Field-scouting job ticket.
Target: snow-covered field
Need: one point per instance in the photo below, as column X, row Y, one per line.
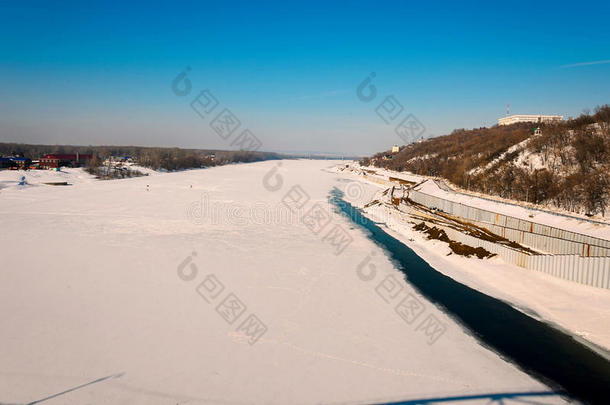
column 134, row 278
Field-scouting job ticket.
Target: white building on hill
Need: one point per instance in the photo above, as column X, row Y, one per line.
column 513, row 119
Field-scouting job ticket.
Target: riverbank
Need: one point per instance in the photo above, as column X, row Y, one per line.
column 538, row 348
column 582, row 310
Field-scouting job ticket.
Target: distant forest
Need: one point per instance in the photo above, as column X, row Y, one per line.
column 567, row 165
column 155, row 158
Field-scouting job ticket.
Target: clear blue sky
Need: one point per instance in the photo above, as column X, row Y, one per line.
column 101, row 72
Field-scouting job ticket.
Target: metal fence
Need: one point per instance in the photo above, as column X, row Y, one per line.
column 507, row 253
column 543, row 237
column 444, row 186
column 592, row 271
column 575, row 257
column 545, row 243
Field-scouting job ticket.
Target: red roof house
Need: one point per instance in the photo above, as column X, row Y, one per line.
column 51, row 161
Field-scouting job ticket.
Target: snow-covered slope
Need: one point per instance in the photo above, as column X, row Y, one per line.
column 12, row 178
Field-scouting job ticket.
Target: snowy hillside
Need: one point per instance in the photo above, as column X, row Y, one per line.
column 563, row 165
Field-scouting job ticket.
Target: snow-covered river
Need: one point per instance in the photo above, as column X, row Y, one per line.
column 197, row 287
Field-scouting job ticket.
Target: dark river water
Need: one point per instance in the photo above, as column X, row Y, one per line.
column 537, row 348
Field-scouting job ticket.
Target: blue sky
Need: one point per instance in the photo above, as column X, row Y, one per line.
column 101, row 72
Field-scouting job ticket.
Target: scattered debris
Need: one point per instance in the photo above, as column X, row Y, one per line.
column 371, row 203
column 456, row 247
column 440, row 218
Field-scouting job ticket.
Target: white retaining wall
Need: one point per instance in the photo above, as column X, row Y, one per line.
column 531, row 234
column 593, row 271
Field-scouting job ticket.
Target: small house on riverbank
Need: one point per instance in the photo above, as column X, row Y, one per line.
column 53, row 161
